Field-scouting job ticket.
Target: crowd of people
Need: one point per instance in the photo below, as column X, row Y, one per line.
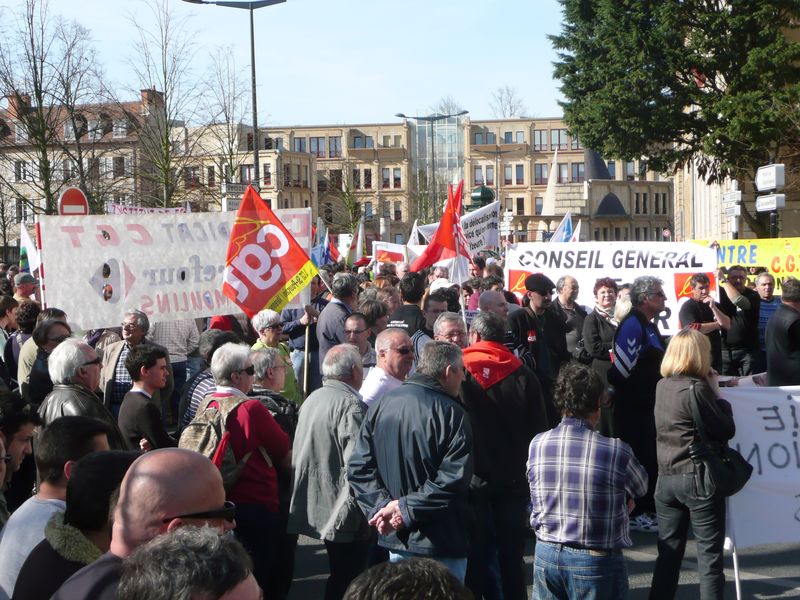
column 420, row 428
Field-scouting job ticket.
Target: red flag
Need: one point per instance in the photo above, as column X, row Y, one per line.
column 443, row 244
column 334, row 251
column 265, row 266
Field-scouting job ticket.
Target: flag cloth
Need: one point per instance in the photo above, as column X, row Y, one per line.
column 413, row 237
column 31, row 253
column 265, row 266
column 576, row 235
column 356, row 251
column 563, row 232
column 333, row 251
column 449, row 240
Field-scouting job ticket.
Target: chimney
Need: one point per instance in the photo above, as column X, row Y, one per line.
column 151, row 97
column 18, row 104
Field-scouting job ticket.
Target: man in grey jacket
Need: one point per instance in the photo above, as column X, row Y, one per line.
column 322, row 505
column 330, row 324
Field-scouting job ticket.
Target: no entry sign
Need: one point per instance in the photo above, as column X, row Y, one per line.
column 73, row 202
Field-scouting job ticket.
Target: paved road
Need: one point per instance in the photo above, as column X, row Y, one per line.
column 766, row 572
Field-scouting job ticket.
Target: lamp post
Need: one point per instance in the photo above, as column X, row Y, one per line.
column 432, row 119
column 252, row 7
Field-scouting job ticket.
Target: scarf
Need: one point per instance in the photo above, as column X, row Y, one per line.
column 490, row 362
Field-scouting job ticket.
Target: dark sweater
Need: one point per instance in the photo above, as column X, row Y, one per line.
column 140, row 417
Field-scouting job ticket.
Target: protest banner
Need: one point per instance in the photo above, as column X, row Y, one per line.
column 780, row 256
column 167, row 265
column 767, row 510
column 673, row 263
column 388, row 252
column 481, row 228
column 122, row 209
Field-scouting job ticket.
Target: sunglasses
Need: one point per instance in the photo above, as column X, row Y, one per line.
column 251, row 370
column 404, row 350
column 96, row 361
column 227, row 513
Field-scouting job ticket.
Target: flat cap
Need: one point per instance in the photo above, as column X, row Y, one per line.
column 539, row 283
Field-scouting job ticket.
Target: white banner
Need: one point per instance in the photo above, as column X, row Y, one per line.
column 672, row 262
column 767, row 510
column 480, row 228
column 168, row 265
column 123, row 209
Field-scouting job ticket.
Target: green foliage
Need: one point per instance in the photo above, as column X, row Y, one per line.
column 670, row 81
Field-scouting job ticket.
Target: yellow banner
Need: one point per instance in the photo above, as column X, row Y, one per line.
column 780, row 256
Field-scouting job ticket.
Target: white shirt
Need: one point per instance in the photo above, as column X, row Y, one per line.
column 376, row 384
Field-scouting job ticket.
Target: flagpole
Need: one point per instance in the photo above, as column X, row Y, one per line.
column 305, row 357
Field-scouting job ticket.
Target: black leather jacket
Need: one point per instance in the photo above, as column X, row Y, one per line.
column 76, row 400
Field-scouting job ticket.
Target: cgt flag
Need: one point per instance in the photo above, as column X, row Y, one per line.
column 265, row 266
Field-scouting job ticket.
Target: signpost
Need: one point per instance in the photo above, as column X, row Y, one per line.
column 770, row 202
column 771, row 178
column 73, row 203
column 733, row 197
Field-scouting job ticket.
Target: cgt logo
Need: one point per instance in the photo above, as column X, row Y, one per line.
column 683, row 284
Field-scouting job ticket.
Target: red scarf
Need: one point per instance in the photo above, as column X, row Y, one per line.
column 490, row 362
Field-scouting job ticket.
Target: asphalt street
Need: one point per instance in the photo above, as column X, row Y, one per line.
column 766, row 572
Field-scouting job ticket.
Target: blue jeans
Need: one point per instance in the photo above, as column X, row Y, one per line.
column 457, row 566
column 677, row 506
column 567, row 573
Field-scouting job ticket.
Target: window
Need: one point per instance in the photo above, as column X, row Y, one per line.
column 478, row 176
column 95, row 131
column 575, row 144
column 520, row 137
column 508, row 137
column 396, row 178
column 191, row 177
column 577, row 172
column 637, row 206
column 540, row 174
column 398, row 211
column 644, row 203
column 286, row 203
column 489, row 175
column 558, row 139
column 118, row 166
column 69, row 130
column 643, row 171
column 120, row 129
column 335, row 146
column 368, row 143
column 249, row 142
column 368, row 214
column 629, row 171
column 540, row 139
column 328, row 212
column 520, row 206
column 23, row 210
column 507, row 175
column 357, row 179
column 479, row 138
column 299, row 144
column 279, row 143
column 563, row 173
column 267, row 174
column 398, row 141
column 538, row 205
column 491, row 138
column 358, row 141
column 520, row 174
column 211, row 175
column 387, row 141
column 336, row 179
column 385, row 178
column 367, row 179
column 664, row 203
column 612, row 169
column 317, row 146
column 21, row 170
column 20, row 133
column 246, row 173
column 304, row 178
column 656, row 204
column 510, row 205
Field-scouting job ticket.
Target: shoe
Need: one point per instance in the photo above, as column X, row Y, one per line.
column 645, row 522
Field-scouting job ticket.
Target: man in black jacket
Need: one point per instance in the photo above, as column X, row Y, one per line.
column 740, row 350
column 783, row 338
column 412, row 463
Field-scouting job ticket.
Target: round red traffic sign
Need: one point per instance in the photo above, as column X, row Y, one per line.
column 73, row 202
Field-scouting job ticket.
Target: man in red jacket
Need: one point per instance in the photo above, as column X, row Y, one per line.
column 506, row 408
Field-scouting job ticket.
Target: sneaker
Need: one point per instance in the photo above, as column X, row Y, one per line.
column 645, row 522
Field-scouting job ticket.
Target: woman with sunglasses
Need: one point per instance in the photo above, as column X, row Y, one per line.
column 634, row 373
column 47, row 336
column 269, row 326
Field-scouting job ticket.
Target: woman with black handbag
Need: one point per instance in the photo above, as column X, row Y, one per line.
column 688, row 379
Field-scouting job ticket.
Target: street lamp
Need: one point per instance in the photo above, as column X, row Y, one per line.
column 432, row 119
column 251, row 6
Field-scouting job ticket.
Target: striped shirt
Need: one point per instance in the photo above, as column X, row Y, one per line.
column 580, row 482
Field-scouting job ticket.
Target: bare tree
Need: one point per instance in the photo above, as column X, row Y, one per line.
column 162, row 62
column 339, row 204
column 447, row 105
column 8, row 213
column 506, row 103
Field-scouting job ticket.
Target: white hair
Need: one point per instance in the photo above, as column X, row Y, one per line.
column 228, row 359
column 264, row 319
column 64, row 362
column 339, row 362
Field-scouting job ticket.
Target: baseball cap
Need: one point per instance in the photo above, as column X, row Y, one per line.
column 539, row 283
column 440, row 284
column 21, row 278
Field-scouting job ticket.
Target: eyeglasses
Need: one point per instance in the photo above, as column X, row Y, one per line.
column 57, row 338
column 96, row 361
column 227, row 512
column 403, row 350
column 354, row 331
column 251, row 370
column 275, row 326
column 128, row 325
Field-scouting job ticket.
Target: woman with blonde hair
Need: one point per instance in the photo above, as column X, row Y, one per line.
column 688, row 377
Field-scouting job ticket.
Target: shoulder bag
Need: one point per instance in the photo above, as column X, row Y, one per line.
column 718, row 469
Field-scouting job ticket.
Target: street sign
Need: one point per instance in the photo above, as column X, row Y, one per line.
column 770, row 177
column 731, row 197
column 770, row 202
column 234, row 188
column 733, row 211
column 73, row 202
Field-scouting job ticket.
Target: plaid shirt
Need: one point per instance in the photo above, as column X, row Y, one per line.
column 122, row 383
column 579, row 482
column 180, row 338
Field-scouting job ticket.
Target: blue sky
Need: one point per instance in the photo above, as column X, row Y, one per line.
column 358, row 61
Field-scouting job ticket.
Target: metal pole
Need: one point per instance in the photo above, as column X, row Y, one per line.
column 435, row 214
column 256, row 170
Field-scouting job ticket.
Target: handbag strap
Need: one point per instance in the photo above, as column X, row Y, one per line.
column 698, row 420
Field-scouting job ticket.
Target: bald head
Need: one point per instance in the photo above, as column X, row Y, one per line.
column 161, row 484
column 395, row 352
column 493, row 302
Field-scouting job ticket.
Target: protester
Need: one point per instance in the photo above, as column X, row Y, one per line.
column 688, row 378
column 411, row 480
column 300, row 325
column 82, row 534
column 60, row 444
column 702, row 313
column 638, row 349
column 29, row 354
column 765, row 286
column 47, row 336
column 189, row 562
column 376, row 314
column 322, row 506
column 330, row 325
column 434, row 304
column 17, row 425
column 395, row 360
column 27, row 313
column 449, row 327
column 581, row 486
column 740, row 340
column 571, row 313
column 180, row 337
column 24, row 286
column 8, row 319
column 783, row 338
column 356, row 333
column 409, row 316
column 390, row 296
column 269, row 327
